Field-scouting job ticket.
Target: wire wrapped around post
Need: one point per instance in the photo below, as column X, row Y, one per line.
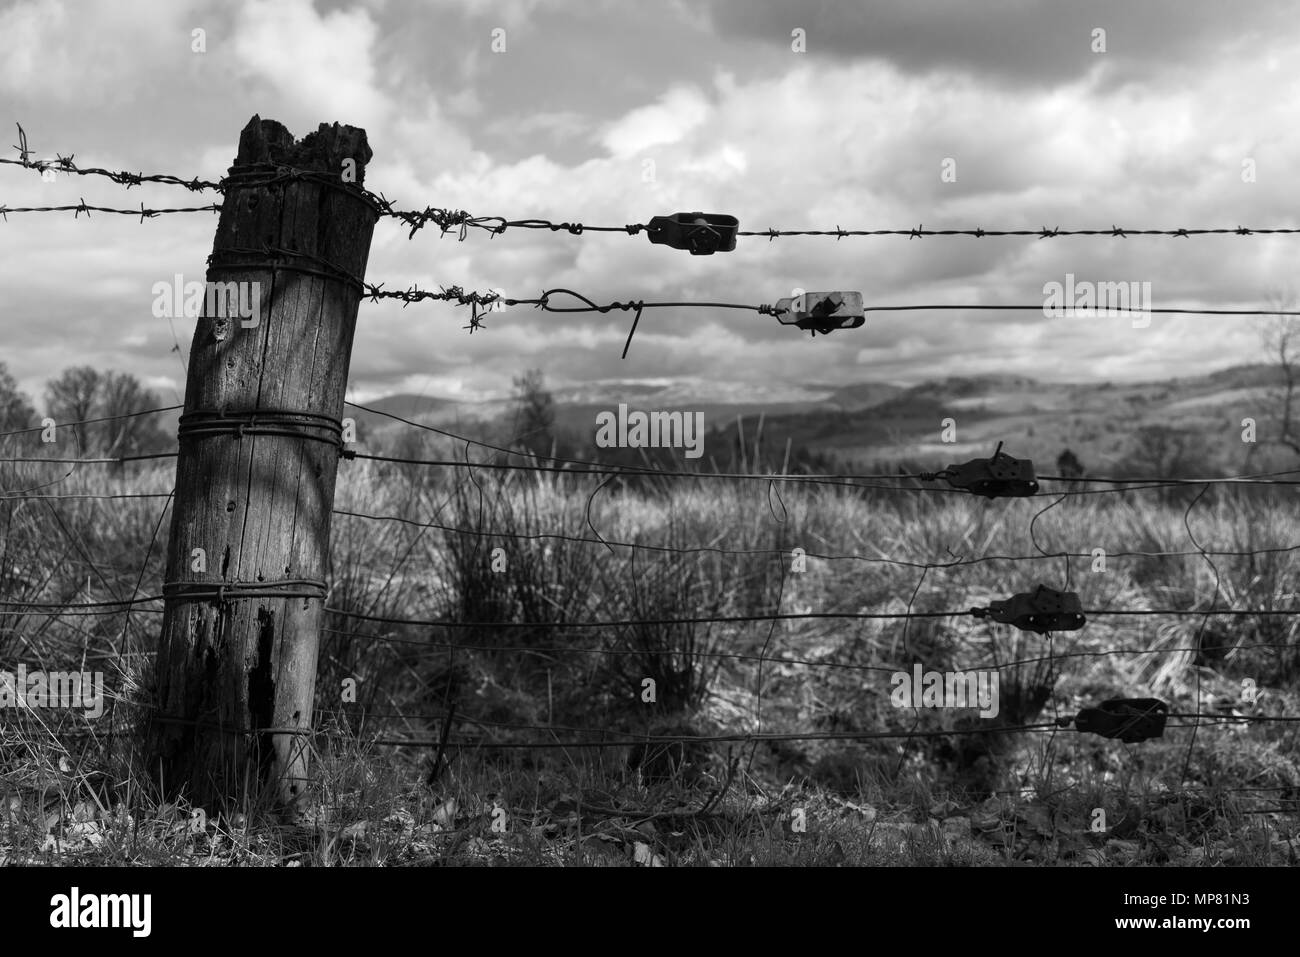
column 259, row 447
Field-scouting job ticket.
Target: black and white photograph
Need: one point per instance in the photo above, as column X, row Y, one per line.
column 750, row 435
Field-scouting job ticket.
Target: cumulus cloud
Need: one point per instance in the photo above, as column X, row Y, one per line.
column 852, row 134
column 62, row 51
column 677, row 113
column 317, row 65
column 1025, row 43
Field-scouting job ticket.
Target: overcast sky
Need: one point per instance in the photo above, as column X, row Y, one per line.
column 854, row 132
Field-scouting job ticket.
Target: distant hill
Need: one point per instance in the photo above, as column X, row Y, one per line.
column 871, row 421
column 378, row 427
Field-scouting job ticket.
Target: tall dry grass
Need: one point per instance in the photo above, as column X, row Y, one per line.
column 505, row 564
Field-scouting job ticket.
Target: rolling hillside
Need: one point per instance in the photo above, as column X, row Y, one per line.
column 868, row 422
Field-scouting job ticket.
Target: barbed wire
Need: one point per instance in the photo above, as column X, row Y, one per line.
column 374, row 291
column 65, row 164
column 475, row 300
column 84, row 207
column 447, row 219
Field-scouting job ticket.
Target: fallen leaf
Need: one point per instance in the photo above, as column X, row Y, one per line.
column 643, row 855
column 401, row 819
column 1092, row 857
column 956, row 827
column 564, row 805
column 354, row 832
column 83, row 835
column 445, row 814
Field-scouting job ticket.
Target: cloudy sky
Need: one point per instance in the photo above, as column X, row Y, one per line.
column 852, row 130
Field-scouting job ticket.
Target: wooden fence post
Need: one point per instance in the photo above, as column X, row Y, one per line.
column 260, row 441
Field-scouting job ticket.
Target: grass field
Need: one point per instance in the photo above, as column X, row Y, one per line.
column 1223, row 792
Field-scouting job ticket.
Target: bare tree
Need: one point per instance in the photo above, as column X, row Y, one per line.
column 121, row 394
column 71, row 396
column 1281, row 338
column 16, row 411
column 1161, row 452
column 83, row 393
column 534, row 413
column 1068, row 464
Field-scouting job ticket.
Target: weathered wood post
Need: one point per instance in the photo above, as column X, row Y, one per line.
column 260, row 440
